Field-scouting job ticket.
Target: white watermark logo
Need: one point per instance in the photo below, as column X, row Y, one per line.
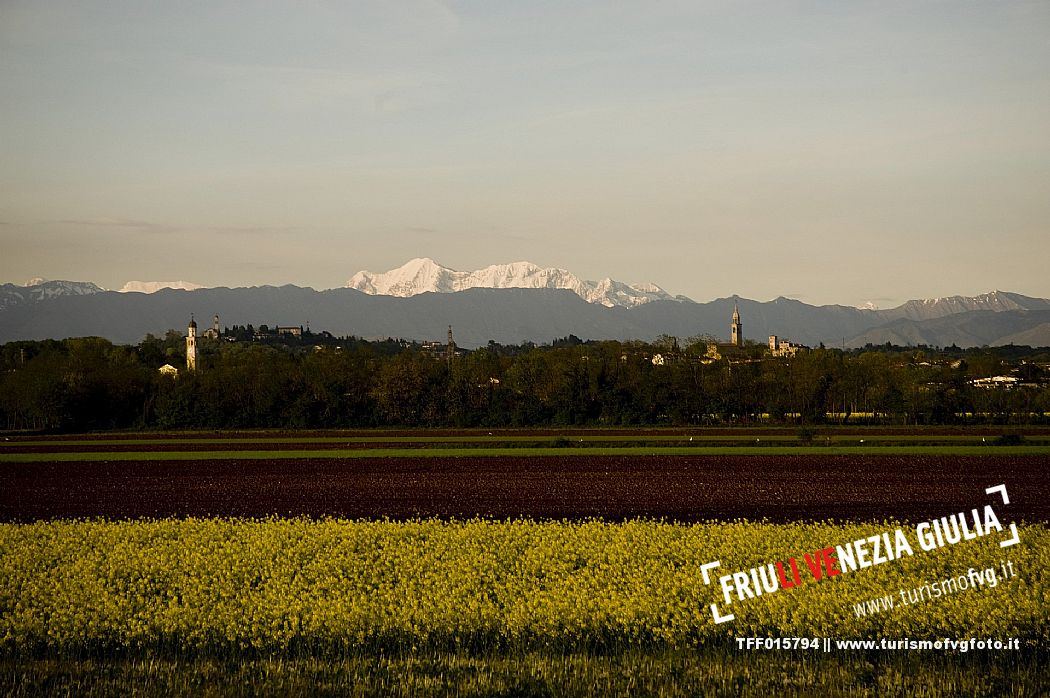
column 863, row 553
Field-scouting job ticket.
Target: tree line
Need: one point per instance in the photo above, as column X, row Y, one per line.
column 89, row 384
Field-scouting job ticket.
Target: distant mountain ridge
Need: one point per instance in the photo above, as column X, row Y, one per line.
column 42, row 289
column 964, row 329
column 514, row 315
column 424, row 275
column 996, row 301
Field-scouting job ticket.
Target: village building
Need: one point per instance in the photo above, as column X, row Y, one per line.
column 782, row 347
column 446, row 350
column 1004, row 382
column 213, row 332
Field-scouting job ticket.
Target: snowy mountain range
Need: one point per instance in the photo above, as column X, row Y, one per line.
column 41, row 289
column 509, row 303
column 424, row 275
column 154, row 286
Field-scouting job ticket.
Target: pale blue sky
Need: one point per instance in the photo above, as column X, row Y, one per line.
column 830, row 151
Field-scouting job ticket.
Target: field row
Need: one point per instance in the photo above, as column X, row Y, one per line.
column 741, row 437
column 193, row 452
column 710, row 671
column 575, row 450
column 470, row 444
column 471, row 434
column 682, row 488
column 223, row 586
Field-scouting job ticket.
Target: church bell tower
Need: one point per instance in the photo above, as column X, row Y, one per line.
column 450, row 349
column 736, row 329
column 191, row 345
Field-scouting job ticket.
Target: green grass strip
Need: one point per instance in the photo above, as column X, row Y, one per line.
column 526, row 452
column 469, row 439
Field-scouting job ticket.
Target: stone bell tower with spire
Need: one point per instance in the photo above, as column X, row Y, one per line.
column 450, row 349
column 191, row 345
column 736, row 336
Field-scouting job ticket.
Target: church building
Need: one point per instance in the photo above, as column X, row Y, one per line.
column 736, row 339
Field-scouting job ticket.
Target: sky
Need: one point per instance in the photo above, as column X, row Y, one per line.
column 834, row 152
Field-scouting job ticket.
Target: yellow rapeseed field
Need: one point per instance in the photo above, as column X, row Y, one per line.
column 281, row 584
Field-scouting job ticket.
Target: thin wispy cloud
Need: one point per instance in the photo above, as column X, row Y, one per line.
column 299, row 87
column 247, row 230
column 114, row 222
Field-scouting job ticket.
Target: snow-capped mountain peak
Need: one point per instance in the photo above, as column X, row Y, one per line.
column 424, row 275
column 154, row 286
column 41, row 289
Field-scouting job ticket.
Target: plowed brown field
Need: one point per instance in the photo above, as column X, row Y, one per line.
column 681, row 488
